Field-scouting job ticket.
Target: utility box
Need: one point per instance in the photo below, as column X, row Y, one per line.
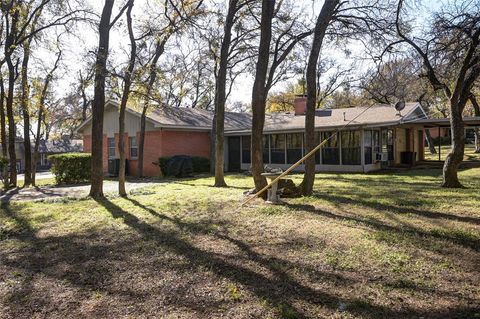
column 408, row 158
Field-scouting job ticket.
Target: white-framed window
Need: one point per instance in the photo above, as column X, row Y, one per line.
column 132, row 142
column 111, row 147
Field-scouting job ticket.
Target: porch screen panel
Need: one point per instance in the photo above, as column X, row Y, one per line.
column 246, row 148
column 330, row 151
column 294, row 147
column 351, row 148
column 277, row 148
column 376, row 143
column 266, row 149
column 368, row 146
column 317, row 141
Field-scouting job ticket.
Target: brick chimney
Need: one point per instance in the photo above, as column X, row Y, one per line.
column 300, row 105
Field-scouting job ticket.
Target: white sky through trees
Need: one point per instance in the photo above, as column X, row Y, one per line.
column 84, row 40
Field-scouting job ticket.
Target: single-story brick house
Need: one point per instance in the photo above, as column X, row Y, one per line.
column 380, row 137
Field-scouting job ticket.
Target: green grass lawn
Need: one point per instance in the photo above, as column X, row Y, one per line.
column 384, row 245
column 469, row 155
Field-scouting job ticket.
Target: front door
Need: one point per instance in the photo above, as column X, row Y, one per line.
column 234, row 153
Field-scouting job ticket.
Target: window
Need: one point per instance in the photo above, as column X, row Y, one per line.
column 111, row 147
column 132, row 142
column 330, row 151
column 246, row 146
column 368, row 146
column 294, row 147
column 351, row 151
column 277, row 148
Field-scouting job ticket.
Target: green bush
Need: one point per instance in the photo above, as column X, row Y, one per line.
column 200, row 164
column 71, row 168
column 4, row 170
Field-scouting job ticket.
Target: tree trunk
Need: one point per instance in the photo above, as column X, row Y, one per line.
column 141, row 142
column 428, row 138
column 323, row 21
column 38, row 137
column 259, row 96
column 159, row 49
column 220, row 95
column 3, row 125
column 11, row 123
column 212, row 144
column 41, row 112
column 455, row 157
column 123, row 105
column 98, row 106
column 26, row 115
column 9, row 47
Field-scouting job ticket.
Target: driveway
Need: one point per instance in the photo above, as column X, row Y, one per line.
column 77, row 191
column 39, row 175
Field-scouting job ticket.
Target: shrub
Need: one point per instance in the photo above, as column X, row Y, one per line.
column 71, row 168
column 200, row 164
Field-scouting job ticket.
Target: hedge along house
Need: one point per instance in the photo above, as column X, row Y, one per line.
column 379, row 137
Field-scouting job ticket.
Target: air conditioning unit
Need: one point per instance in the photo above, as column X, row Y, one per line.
column 382, row 157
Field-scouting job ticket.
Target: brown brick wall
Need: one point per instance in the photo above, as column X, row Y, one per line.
column 158, row 144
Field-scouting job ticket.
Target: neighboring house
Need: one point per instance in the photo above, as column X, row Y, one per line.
column 50, row 147
column 379, row 137
column 45, row 149
column 20, row 153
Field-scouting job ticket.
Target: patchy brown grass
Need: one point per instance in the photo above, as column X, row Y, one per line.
column 364, row 246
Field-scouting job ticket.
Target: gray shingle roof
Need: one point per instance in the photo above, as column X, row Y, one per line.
column 375, row 115
column 196, row 118
column 60, row 146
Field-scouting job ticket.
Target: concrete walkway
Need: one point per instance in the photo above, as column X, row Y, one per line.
column 77, row 191
column 38, row 175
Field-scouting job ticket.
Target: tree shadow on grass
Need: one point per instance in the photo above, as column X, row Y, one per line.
column 471, row 243
column 89, row 262
column 280, row 290
column 360, row 200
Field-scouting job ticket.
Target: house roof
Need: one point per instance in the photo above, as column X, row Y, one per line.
column 376, row 115
column 235, row 122
column 472, row 121
column 60, row 146
column 197, row 118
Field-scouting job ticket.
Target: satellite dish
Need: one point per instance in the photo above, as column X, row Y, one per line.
column 400, row 105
